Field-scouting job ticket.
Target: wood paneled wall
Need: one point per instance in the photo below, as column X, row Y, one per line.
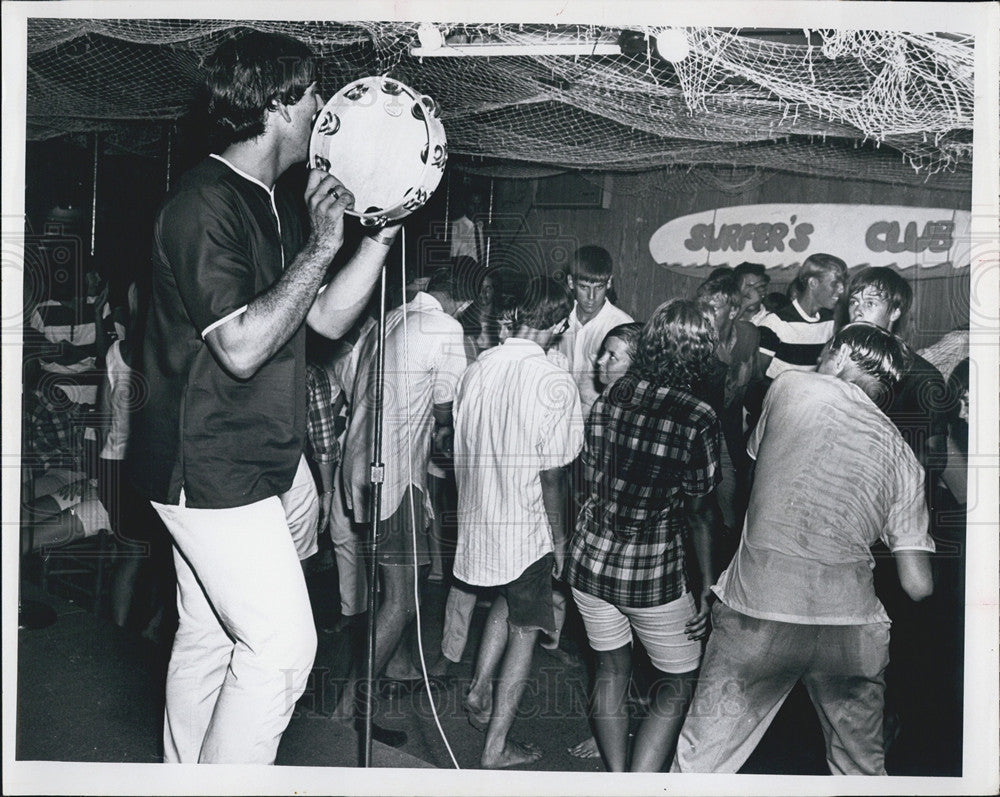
column 531, row 239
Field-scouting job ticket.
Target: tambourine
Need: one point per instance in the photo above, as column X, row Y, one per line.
column 385, row 143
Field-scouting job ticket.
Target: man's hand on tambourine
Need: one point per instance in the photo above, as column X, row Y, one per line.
column 327, row 199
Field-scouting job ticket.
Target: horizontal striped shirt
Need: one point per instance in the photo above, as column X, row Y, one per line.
column 516, row 414
column 647, row 448
column 794, row 340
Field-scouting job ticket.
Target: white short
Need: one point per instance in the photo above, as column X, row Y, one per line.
column 659, row 628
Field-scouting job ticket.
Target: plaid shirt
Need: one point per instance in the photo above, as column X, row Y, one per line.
column 646, row 448
column 321, row 433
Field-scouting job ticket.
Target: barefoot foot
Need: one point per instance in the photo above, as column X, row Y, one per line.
column 585, row 749
column 514, row 753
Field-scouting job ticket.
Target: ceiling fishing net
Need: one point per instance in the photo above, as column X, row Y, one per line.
column 889, row 106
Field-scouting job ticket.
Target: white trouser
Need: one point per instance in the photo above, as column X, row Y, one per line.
column 350, row 564
column 245, row 639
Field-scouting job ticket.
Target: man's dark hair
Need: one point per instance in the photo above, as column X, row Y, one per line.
column 746, row 270
column 546, row 302
column 247, row 76
column 592, row 262
column 887, row 284
column 469, row 277
column 724, row 285
column 958, row 391
column 881, row 356
column 442, row 280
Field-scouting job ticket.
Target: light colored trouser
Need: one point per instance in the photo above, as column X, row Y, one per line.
column 749, row 668
column 458, row 610
column 350, row 564
column 245, row 640
column 301, row 505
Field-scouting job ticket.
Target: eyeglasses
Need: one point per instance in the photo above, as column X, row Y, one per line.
column 755, row 286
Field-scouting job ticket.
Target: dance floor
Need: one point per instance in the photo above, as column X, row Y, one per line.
column 89, row 691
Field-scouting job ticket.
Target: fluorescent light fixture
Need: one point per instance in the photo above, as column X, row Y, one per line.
column 487, row 49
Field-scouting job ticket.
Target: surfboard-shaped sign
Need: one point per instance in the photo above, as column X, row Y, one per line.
column 930, row 241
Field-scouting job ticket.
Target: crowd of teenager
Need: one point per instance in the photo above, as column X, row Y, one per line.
column 747, row 484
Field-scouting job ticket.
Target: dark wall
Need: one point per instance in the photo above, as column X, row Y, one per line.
column 527, row 238
column 639, row 204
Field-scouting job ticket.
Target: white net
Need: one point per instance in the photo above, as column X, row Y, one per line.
column 896, row 107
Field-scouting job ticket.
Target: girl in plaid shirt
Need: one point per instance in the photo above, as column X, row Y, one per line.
column 652, row 464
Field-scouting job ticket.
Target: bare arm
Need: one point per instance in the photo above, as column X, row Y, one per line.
column 554, row 500
column 247, row 341
column 700, row 517
column 914, row 569
column 339, row 305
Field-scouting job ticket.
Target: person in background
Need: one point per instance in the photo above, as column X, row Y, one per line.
column 484, row 291
column 144, row 554
column 918, row 406
column 798, row 602
column 236, row 277
column 652, row 464
column 424, row 359
column 733, row 371
column 517, row 428
column 613, row 361
column 918, row 402
column 352, row 576
column 955, row 476
column 590, row 319
column 617, row 353
column 467, row 231
column 752, row 280
column 946, row 353
column 792, row 338
column 323, row 446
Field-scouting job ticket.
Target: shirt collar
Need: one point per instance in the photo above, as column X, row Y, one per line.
column 803, row 313
column 521, row 346
column 425, row 300
column 242, row 173
column 574, row 322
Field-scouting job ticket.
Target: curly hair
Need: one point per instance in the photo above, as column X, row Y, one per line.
column 247, row 76
column 676, row 345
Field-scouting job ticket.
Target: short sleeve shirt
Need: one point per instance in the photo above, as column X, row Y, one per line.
column 647, row 447
column 793, row 339
column 220, row 239
column 581, row 343
column 423, row 362
column 516, row 414
column 833, row 475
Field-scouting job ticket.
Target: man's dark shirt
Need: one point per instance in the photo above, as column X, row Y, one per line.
column 918, row 406
column 228, row 442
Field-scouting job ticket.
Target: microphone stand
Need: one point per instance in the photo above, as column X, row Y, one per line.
column 374, row 513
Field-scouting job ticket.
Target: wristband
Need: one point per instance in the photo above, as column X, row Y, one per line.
column 382, row 238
